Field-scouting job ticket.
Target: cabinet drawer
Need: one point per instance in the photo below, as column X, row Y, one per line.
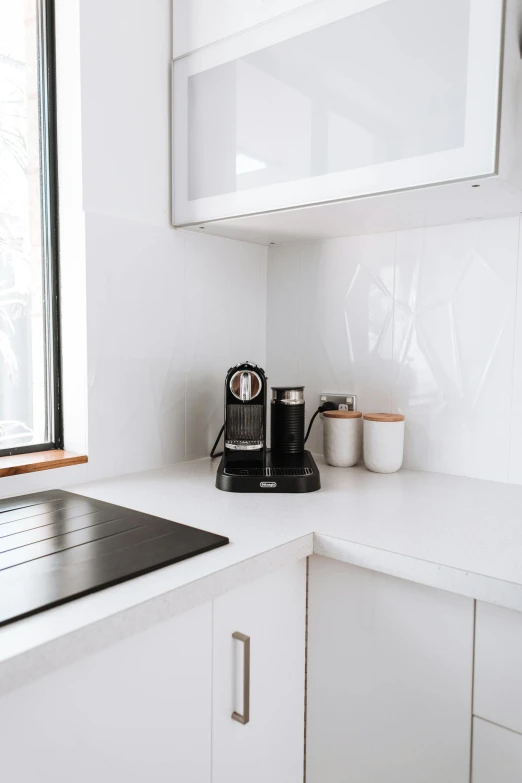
column 497, row 754
column 498, row 666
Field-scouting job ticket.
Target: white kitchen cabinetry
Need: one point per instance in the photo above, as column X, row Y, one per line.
column 389, row 679
column 497, row 754
column 201, row 22
column 340, row 100
column 272, row 613
column 139, row 710
column 498, row 666
column 158, row 706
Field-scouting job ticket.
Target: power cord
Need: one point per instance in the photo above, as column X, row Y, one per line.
column 326, row 406
column 220, row 453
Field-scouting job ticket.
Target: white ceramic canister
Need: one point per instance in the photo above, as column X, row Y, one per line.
column 342, row 438
column 383, row 441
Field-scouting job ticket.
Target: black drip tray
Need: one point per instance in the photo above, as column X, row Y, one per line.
column 241, row 470
column 269, row 473
column 56, row 546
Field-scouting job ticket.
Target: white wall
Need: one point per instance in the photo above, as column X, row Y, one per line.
column 153, row 317
column 425, row 322
column 161, row 338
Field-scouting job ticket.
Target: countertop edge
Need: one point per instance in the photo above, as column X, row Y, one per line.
column 443, row 577
column 33, row 656
column 28, row 663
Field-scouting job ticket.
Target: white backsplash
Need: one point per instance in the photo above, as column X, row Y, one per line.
column 225, row 324
column 160, row 339
column 421, row 322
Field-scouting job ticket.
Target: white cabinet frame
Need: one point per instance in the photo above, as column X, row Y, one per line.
column 476, row 158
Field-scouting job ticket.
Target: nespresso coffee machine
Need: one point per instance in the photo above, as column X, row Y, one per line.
column 247, row 465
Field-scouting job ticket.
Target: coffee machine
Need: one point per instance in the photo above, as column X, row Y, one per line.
column 247, row 465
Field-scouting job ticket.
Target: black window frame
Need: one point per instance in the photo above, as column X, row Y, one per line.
column 46, row 61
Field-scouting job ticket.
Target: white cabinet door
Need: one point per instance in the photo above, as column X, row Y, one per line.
column 498, row 670
column 336, row 100
column 497, row 754
column 269, row 748
column 389, row 679
column 201, row 22
column 137, row 711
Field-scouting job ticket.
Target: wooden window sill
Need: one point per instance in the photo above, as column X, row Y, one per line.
column 39, row 460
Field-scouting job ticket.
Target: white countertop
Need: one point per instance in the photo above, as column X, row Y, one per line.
column 457, row 534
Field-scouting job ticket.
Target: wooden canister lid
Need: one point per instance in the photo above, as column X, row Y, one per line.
column 384, row 417
column 343, row 414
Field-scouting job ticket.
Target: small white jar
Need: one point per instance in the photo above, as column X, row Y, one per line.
column 383, row 441
column 342, row 438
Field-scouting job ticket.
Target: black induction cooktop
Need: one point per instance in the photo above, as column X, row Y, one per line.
column 56, row 546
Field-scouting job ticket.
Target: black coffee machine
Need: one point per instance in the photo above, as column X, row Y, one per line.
column 247, row 465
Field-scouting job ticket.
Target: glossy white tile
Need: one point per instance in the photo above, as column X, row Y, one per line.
column 345, row 326
column 282, row 324
column 225, row 324
column 455, row 293
column 422, row 322
column 168, row 313
column 136, row 340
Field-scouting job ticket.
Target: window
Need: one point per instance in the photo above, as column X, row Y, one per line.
column 30, row 411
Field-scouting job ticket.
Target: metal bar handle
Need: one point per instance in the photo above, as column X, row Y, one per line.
column 245, row 717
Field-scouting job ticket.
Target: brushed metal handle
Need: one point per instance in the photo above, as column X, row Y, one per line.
column 245, row 716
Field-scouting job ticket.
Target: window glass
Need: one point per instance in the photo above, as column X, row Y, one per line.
column 27, row 321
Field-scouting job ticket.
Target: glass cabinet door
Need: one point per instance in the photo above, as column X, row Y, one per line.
column 197, row 23
column 322, row 105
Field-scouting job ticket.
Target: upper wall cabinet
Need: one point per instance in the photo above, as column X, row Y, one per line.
column 198, row 23
column 337, row 100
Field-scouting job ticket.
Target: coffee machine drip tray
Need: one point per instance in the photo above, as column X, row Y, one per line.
column 271, row 473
